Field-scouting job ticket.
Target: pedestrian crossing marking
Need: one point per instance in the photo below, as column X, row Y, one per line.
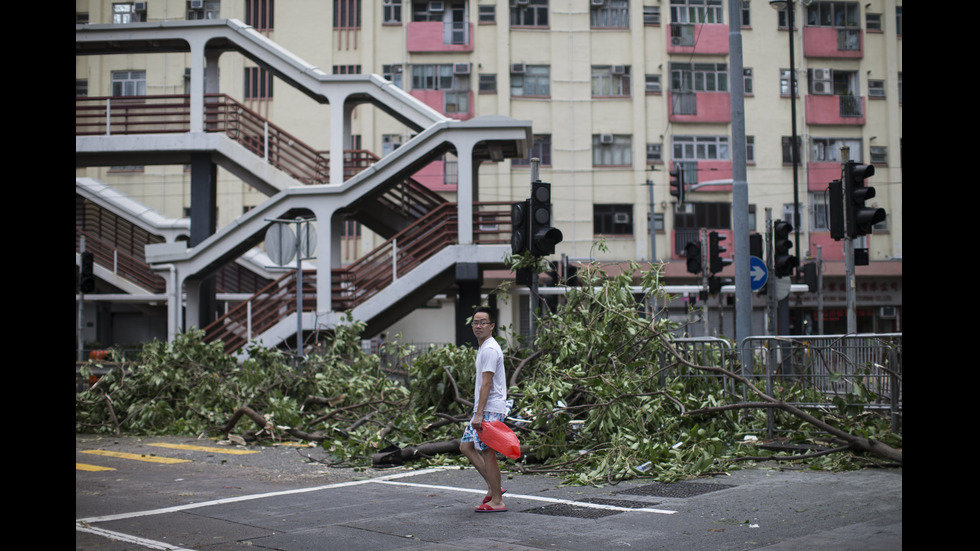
column 91, row 468
column 137, row 457
column 230, row 451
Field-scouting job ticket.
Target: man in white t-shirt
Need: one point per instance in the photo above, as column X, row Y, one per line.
column 490, row 404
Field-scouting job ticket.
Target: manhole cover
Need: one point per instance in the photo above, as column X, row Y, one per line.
column 573, row 511
column 675, row 489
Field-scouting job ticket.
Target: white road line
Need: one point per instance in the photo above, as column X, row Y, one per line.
column 143, row 542
column 84, row 525
column 533, row 498
column 224, row 501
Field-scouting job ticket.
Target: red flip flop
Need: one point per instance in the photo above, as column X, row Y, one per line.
column 486, row 508
column 486, row 499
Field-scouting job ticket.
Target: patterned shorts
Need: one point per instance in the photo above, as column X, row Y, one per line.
column 470, row 435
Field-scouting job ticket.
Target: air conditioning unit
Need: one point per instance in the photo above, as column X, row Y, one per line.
column 597, row 2
column 619, row 69
column 821, row 74
column 436, row 7
column 197, row 4
column 461, row 68
column 822, row 87
column 888, row 313
column 675, row 40
column 605, row 138
column 522, row 2
column 517, row 68
column 187, row 72
column 621, row 218
column 139, row 7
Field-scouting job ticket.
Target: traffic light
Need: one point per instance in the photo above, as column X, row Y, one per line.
column 860, row 218
column 677, row 184
column 835, row 206
column 783, row 263
column 86, row 280
column 693, row 252
column 543, row 237
column 715, row 262
column 520, row 220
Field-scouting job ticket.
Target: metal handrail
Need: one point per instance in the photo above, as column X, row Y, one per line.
column 120, row 263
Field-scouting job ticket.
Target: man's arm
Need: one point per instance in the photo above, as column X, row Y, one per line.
column 485, row 389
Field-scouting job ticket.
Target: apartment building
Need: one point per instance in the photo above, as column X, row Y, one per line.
column 618, row 93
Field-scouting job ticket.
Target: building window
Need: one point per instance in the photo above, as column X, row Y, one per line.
column 128, row 83
column 655, row 153
column 203, row 10
column 529, row 13
column 346, row 69
column 696, row 11
column 612, row 219
column 487, row 14
column 488, row 83
column 612, row 150
column 652, row 84
column 610, row 14
column 346, row 14
column 872, row 22
column 784, row 78
column 747, row 80
column 393, row 73
column 81, row 87
column 258, row 83
column 260, row 14
column 699, row 77
column 391, row 12
column 432, row 77
column 651, row 15
column 126, row 13
column 610, row 81
column 541, row 150
column 701, row 148
column 530, row 80
column 750, row 149
column 876, row 88
column 787, row 153
column 827, row 150
column 898, row 20
column 879, row 155
column 443, row 77
column 713, row 216
column 746, row 16
column 833, row 14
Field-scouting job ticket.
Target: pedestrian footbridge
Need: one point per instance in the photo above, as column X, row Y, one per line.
column 431, row 243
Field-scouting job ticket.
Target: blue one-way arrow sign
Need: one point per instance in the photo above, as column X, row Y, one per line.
column 758, row 274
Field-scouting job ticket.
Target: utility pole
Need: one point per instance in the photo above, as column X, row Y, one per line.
column 740, row 187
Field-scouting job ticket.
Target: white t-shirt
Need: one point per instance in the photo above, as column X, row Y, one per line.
column 491, row 358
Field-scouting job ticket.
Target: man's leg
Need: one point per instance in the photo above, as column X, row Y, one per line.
column 491, row 473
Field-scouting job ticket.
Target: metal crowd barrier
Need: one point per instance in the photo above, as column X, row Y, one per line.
column 829, row 371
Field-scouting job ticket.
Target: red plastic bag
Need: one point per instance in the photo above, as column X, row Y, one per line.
column 499, row 437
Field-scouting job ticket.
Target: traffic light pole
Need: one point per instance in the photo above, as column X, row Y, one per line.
column 850, row 281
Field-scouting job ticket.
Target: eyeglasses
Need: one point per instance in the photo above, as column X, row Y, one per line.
column 481, row 323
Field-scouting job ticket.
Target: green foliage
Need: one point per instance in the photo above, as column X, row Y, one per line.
column 599, row 396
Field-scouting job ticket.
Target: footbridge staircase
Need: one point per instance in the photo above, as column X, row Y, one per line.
column 429, row 240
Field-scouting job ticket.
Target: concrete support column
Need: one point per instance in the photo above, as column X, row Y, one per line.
column 204, row 211
column 469, row 281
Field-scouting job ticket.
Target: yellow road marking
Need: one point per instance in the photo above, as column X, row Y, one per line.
column 136, row 456
column 87, row 467
column 230, row 451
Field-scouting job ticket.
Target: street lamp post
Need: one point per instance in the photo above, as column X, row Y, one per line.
column 788, row 5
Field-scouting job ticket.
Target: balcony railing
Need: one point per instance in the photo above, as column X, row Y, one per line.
column 850, row 106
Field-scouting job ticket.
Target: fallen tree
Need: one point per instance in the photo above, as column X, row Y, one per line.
column 602, row 394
